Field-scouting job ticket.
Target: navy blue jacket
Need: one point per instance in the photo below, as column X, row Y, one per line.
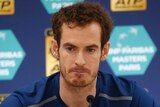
column 110, row 92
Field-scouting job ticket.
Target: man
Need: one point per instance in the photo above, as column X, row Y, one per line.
column 81, row 41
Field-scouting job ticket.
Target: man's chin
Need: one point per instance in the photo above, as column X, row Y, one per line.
column 79, row 84
column 76, row 82
column 79, row 79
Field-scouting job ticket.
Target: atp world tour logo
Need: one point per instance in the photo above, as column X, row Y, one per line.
column 128, row 5
column 131, row 51
column 7, row 7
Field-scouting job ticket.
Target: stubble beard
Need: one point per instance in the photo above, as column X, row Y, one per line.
column 81, row 81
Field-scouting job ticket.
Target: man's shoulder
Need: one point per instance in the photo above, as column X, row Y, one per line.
column 39, row 90
column 114, row 80
column 116, row 86
column 41, row 84
column 122, row 92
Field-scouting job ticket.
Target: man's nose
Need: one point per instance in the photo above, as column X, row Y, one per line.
column 80, row 60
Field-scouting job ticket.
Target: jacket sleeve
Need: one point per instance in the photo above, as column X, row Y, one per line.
column 28, row 95
column 11, row 101
column 141, row 98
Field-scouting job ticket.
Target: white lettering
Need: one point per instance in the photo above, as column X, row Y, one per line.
column 132, row 50
column 4, row 72
column 7, row 63
column 129, row 67
column 2, row 35
column 59, row 5
column 114, row 51
column 128, row 59
column 7, row 55
column 137, row 50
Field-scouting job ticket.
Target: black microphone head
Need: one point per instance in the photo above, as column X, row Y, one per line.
column 90, row 98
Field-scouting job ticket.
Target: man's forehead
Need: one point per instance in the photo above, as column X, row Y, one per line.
column 72, row 25
column 85, row 36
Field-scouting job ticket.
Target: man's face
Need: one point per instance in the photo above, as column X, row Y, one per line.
column 80, row 54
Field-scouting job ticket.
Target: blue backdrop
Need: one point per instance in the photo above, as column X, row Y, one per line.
column 30, row 20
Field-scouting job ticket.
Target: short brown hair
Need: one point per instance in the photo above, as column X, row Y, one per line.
column 82, row 14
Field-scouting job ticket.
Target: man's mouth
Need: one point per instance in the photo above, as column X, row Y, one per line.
column 79, row 70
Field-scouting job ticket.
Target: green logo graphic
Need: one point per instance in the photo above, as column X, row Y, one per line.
column 131, row 50
column 11, row 55
column 53, row 6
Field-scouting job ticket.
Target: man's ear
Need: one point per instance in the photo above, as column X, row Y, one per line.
column 105, row 51
column 54, row 48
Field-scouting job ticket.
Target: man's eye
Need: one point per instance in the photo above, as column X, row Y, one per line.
column 90, row 50
column 70, row 49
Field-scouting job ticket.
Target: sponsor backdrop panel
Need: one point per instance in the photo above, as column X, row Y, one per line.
column 25, row 34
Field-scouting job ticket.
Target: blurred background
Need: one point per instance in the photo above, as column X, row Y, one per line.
column 25, row 34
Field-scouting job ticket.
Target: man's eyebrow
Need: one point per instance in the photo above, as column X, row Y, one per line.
column 72, row 45
column 68, row 44
column 93, row 46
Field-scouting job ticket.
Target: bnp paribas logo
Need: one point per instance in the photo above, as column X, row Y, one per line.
column 53, row 6
column 128, row 5
column 7, row 7
column 132, row 50
column 11, row 54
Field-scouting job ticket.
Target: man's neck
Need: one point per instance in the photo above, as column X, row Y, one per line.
column 76, row 96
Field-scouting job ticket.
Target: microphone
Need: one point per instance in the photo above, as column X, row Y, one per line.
column 90, row 99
